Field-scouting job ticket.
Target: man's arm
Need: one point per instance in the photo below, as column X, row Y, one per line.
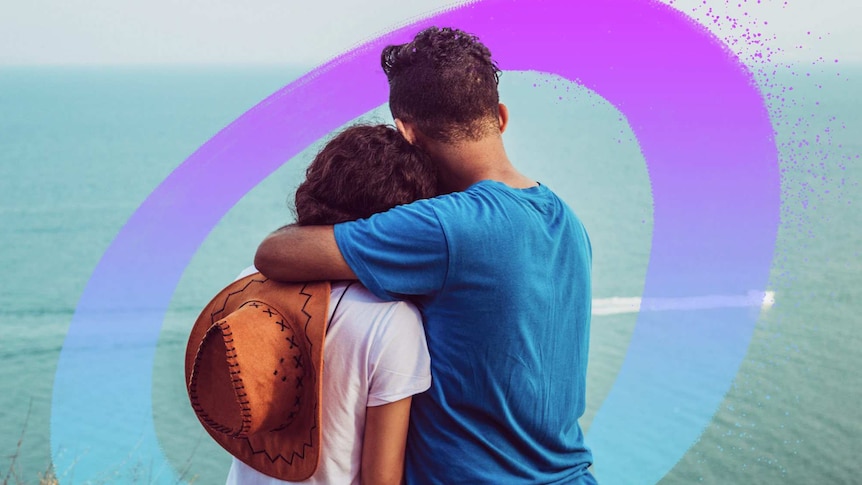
column 398, row 253
column 384, row 442
column 302, row 253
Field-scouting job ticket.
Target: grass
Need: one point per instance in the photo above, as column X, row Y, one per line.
column 13, row 474
column 49, row 477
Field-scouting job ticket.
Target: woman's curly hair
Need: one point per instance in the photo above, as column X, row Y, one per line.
column 445, row 82
column 363, row 170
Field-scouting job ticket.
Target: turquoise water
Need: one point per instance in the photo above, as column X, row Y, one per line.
column 80, row 149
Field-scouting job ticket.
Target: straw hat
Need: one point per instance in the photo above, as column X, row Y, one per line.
column 253, row 372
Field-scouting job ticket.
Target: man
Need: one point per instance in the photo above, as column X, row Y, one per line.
column 499, row 266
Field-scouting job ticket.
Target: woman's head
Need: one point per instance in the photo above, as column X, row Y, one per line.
column 362, row 171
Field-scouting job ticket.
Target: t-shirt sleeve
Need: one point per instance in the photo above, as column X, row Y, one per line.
column 399, row 253
column 400, row 365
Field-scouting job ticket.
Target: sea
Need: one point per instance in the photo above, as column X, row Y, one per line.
column 82, row 147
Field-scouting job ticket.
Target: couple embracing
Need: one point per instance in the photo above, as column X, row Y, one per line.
column 425, row 223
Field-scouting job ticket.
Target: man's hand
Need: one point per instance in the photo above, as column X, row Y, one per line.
column 302, row 253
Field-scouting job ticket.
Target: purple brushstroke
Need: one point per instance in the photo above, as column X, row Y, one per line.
column 704, row 132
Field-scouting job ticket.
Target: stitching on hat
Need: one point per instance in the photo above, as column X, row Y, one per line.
column 308, row 315
column 245, row 409
column 230, row 353
column 280, row 320
column 311, row 432
column 293, row 454
column 227, row 298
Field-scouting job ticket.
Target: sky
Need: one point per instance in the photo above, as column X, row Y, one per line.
column 227, row 32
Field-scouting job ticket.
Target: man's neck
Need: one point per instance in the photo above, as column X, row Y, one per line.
column 465, row 163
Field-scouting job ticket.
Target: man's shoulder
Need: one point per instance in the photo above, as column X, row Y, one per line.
column 495, row 203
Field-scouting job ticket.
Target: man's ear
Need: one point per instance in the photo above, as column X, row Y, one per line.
column 503, row 117
column 407, row 130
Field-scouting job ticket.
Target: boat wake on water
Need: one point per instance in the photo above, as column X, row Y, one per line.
column 618, row 305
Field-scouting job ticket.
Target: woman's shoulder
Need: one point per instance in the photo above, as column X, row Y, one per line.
column 353, row 302
column 388, row 333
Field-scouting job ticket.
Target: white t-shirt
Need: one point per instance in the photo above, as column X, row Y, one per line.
column 375, row 353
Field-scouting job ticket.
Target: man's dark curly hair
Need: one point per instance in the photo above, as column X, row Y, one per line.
column 445, row 82
column 363, row 170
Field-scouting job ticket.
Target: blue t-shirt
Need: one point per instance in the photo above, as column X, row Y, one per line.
column 502, row 277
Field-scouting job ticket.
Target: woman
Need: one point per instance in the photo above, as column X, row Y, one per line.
column 375, row 357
